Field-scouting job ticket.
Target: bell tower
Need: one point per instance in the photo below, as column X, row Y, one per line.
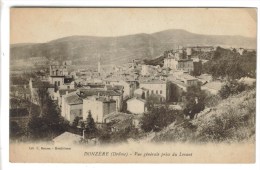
column 99, row 65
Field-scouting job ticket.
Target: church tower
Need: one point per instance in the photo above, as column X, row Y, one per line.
column 99, row 66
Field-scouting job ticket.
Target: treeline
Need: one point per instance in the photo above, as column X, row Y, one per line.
column 225, row 63
column 156, row 61
column 45, row 121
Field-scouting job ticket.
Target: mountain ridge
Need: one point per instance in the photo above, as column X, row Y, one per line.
column 83, row 49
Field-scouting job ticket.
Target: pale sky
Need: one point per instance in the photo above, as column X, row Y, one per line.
column 36, row 25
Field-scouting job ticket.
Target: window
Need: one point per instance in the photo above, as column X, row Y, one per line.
column 58, row 83
column 160, row 91
column 152, row 91
column 156, row 91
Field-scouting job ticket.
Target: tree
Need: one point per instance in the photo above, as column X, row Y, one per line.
column 15, row 129
column 157, row 118
column 232, row 87
column 52, row 118
column 151, row 101
column 228, row 64
column 224, row 92
column 176, row 93
column 76, row 121
column 194, row 101
column 90, row 126
column 143, row 95
column 41, row 97
column 45, row 121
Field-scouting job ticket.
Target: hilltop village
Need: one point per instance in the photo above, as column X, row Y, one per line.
column 102, row 99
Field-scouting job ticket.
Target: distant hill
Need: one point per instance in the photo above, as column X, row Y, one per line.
column 122, row 49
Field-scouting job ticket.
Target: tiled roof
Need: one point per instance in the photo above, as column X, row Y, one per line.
column 101, row 92
column 73, row 98
column 140, row 90
column 118, row 116
column 115, row 87
column 179, row 83
column 63, row 91
column 153, row 82
column 106, row 100
column 68, row 138
column 187, row 77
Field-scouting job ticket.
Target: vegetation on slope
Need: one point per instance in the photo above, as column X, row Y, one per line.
column 225, row 63
column 232, row 120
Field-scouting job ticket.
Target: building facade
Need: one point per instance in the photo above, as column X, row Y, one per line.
column 72, row 106
column 99, row 107
column 157, row 87
column 136, row 105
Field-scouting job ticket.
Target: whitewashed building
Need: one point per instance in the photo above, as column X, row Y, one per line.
column 157, row 87
column 72, row 106
column 99, row 107
column 136, row 105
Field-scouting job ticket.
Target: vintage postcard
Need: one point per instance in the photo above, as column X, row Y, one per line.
column 132, row 85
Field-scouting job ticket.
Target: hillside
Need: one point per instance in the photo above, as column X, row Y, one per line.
column 122, row 49
column 232, row 120
column 227, row 63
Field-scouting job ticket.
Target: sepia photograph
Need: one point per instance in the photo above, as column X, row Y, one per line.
column 132, row 85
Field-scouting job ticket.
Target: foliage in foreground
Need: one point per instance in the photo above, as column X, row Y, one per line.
column 158, row 118
column 46, row 125
column 232, row 120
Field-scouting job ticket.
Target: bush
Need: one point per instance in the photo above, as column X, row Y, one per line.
column 194, row 103
column 231, row 88
column 157, row 118
column 75, row 122
column 212, row 100
column 181, row 133
column 15, row 129
column 233, row 121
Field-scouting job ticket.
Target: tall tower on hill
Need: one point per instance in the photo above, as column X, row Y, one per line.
column 99, row 65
